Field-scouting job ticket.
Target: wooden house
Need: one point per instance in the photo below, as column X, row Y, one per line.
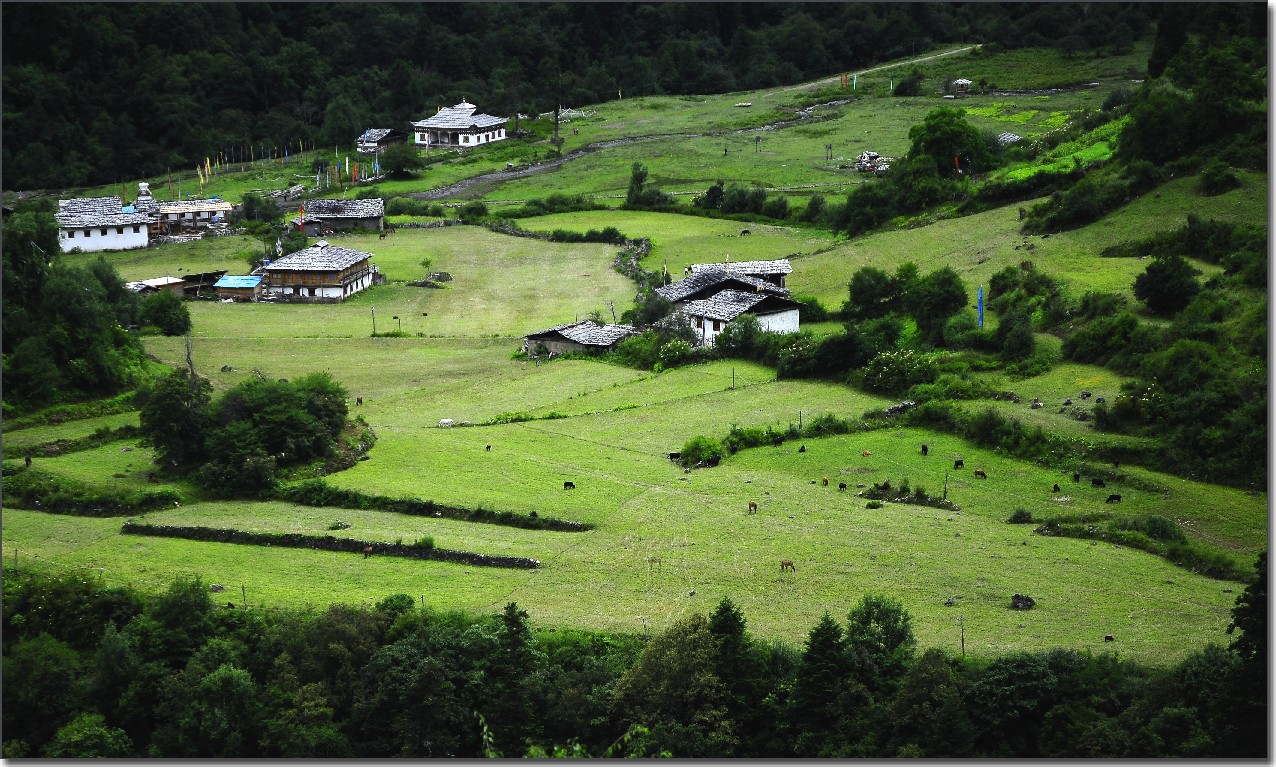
column 579, row 336
column 174, row 285
column 320, row 273
column 458, row 127
column 239, row 287
column 323, row 216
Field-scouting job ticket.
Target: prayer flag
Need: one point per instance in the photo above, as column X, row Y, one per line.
column 981, row 306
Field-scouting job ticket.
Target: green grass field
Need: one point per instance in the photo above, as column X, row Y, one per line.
column 609, row 428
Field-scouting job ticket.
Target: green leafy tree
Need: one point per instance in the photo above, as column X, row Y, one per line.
column 640, row 195
column 515, row 679
column 944, row 135
column 30, row 244
column 933, row 299
column 175, row 417
column 400, row 160
column 165, row 310
column 88, row 737
column 879, row 637
column 41, row 688
column 222, row 716
column 256, row 207
column 873, row 293
column 927, row 710
column 1167, row 285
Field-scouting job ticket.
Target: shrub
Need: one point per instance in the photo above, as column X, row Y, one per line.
column 701, row 450
column 1020, row 517
column 1216, row 178
column 894, row 372
column 676, row 352
column 473, row 210
column 166, row 311
column 873, row 505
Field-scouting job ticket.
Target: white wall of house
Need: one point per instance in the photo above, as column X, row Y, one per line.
column 93, row 238
column 780, row 322
column 339, row 292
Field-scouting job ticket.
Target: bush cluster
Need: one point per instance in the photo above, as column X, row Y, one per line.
column 34, row 489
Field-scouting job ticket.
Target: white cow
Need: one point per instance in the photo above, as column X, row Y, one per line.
column 445, row 422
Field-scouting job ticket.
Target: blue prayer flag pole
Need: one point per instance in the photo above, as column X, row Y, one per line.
column 981, row 306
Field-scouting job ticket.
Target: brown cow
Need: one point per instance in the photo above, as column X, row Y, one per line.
column 980, row 474
column 367, row 551
column 867, row 453
column 826, row 481
column 787, row 564
column 753, row 507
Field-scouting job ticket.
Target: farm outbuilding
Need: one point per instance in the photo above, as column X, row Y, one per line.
column 192, row 214
column 239, row 287
column 340, row 215
column 458, row 127
column 579, row 336
column 709, row 316
column 711, row 280
column 173, row 285
column 374, row 140
column 320, row 273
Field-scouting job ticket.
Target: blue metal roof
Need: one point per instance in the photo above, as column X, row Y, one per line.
column 239, row 281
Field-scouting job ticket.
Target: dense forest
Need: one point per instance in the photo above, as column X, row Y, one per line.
column 98, row 93
column 97, row 671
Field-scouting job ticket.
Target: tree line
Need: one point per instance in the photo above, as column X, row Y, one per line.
column 102, row 671
column 78, row 78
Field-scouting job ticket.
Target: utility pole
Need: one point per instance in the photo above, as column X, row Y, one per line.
column 961, row 621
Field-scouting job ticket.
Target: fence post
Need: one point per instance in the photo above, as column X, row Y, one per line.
column 244, row 592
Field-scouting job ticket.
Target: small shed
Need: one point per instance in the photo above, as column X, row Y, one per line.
column 579, row 336
column 374, row 140
column 341, row 215
column 961, row 85
column 156, row 284
column 238, row 287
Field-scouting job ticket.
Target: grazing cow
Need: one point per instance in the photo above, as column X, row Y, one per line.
column 1056, row 487
column 358, row 400
column 802, row 449
column 27, row 458
column 675, row 456
column 841, row 486
column 1076, row 476
column 1098, row 482
column 382, row 235
column 980, row 474
column 1114, row 498
column 391, row 229
column 826, row 481
column 925, row 449
column 1108, row 638
column 777, row 441
column 1067, row 402
column 569, row 485
column 744, row 232
column 959, row 464
column 787, row 564
column 1085, row 395
column 753, row 507
column 867, row 453
column 367, row 551
column 488, row 448
column 446, row 422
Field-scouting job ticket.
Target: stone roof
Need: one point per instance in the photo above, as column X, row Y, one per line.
column 779, row 266
column 587, row 333
column 345, row 208
column 460, row 116
column 155, row 283
column 710, row 276
column 320, row 257
column 373, row 135
column 239, row 281
column 96, row 211
column 729, row 304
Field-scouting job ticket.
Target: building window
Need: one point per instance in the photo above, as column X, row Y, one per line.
column 137, row 229
column 119, row 230
column 70, row 233
column 716, row 326
column 104, row 232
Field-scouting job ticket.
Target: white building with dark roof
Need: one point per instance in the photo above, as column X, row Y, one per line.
column 176, row 215
column 459, row 127
column 577, row 336
column 321, row 272
column 776, row 314
column 100, row 223
column 711, row 280
column 341, row 215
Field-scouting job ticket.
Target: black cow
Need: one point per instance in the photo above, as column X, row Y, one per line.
column 1098, row 482
column 1056, row 487
column 959, row 464
column 1109, row 638
column 802, row 449
column 1114, row 498
column 925, row 449
column 841, row 486
column 488, row 448
column 569, row 485
column 1076, row 476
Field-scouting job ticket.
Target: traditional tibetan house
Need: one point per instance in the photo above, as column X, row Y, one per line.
column 711, row 280
column 459, row 127
column 320, row 273
column 374, row 140
column 191, row 214
column 322, row 216
column 768, row 271
column 576, row 337
column 239, row 287
column 709, row 316
column 100, row 223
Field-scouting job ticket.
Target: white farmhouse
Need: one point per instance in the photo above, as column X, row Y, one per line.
column 100, row 223
column 459, row 127
column 709, row 316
